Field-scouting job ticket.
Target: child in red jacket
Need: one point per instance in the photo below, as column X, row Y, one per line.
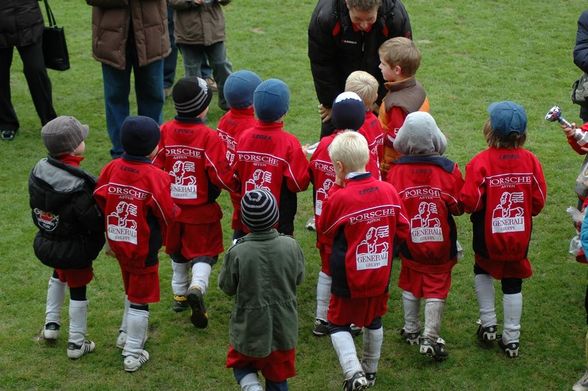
column 504, row 188
column 429, row 186
column 361, row 219
column 270, row 158
column 135, row 198
column 348, row 113
column 239, row 89
column 194, row 157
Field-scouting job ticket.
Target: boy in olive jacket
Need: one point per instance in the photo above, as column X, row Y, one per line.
column 270, row 266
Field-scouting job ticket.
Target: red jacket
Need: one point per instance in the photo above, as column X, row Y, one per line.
column 374, row 134
column 503, row 189
column 134, row 196
column 231, row 125
column 270, row 158
column 362, row 221
column 195, row 159
column 429, row 188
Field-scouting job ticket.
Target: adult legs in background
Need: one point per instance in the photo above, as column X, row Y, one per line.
column 221, row 69
column 149, row 90
column 117, row 86
column 38, row 80
column 170, row 62
column 8, row 120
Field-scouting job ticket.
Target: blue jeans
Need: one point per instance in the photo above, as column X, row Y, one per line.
column 117, row 86
column 240, row 373
column 169, row 63
column 194, row 55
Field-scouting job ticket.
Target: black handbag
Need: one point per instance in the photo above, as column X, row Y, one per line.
column 54, row 46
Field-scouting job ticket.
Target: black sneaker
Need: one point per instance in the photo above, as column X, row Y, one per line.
column 180, row 303
column 358, row 382
column 199, row 316
column 7, row 135
column 435, row 349
column 410, row 338
column 321, row 328
column 371, row 379
column 486, row 335
column 511, row 349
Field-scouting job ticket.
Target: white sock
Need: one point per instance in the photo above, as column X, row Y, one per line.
column 345, row 349
column 372, row 348
column 323, row 295
column 513, row 309
column 433, row 316
column 200, row 276
column 411, row 306
column 123, row 324
column 250, row 382
column 55, row 299
column 180, row 278
column 137, row 322
column 78, row 321
column 486, row 297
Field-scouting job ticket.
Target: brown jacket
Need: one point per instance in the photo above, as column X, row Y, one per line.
column 199, row 24
column 111, row 20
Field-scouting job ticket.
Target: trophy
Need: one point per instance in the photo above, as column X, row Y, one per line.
column 554, row 114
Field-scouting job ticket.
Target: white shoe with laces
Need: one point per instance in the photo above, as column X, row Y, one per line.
column 76, row 351
column 132, row 364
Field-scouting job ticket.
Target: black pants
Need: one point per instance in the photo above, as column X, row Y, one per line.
column 37, row 79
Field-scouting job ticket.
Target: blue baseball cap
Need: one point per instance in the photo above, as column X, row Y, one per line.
column 507, row 117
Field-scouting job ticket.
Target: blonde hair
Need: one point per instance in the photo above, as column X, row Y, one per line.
column 364, row 85
column 511, row 141
column 351, row 149
column 403, row 52
column 363, row 5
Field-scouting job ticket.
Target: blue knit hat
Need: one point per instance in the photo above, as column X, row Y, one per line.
column 239, row 88
column 348, row 111
column 139, row 135
column 271, row 100
column 507, row 117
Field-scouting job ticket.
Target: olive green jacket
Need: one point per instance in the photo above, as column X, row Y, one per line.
column 262, row 271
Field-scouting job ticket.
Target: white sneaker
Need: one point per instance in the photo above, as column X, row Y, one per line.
column 51, row 331
column 76, row 351
column 582, row 384
column 131, row 364
column 252, row 387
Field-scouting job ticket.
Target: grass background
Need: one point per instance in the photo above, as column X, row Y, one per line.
column 474, row 53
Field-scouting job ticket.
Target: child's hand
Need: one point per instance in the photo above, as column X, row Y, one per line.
column 568, row 131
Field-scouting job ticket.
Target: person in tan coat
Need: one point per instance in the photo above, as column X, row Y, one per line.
column 130, row 36
column 200, row 34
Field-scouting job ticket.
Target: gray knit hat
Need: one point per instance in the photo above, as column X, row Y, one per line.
column 259, row 210
column 63, row 135
column 191, row 96
column 420, row 135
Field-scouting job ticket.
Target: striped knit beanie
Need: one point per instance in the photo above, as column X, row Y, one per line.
column 259, row 210
column 191, row 96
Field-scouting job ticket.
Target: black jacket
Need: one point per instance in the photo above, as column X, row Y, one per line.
column 581, row 48
column 21, row 23
column 335, row 49
column 71, row 226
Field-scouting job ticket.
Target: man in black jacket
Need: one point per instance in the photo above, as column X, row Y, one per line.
column 22, row 27
column 581, row 53
column 344, row 36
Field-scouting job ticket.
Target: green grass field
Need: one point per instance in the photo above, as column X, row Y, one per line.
column 474, row 53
